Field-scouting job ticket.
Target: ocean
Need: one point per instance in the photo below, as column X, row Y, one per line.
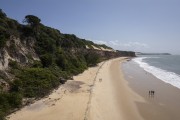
column 163, row 67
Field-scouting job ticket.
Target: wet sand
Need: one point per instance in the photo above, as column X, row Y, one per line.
column 164, row 105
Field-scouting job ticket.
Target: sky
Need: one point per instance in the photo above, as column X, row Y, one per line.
column 133, row 25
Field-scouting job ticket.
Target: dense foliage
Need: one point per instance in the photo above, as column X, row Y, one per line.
column 8, row 102
column 35, row 82
column 32, row 20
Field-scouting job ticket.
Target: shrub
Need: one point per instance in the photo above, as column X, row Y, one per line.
column 9, row 101
column 14, row 100
column 92, row 58
column 2, row 41
column 37, row 64
column 35, row 82
column 61, row 61
column 13, row 64
column 46, row 60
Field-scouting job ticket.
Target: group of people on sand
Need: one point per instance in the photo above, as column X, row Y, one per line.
column 151, row 93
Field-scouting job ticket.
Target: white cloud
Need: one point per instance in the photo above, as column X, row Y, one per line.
column 100, row 42
column 115, row 42
column 134, row 46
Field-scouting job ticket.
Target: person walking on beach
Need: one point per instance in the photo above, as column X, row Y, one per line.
column 151, row 93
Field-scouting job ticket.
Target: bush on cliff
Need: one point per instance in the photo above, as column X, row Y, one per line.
column 8, row 102
column 92, row 58
column 35, row 82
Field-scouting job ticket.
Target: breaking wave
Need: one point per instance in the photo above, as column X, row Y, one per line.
column 164, row 75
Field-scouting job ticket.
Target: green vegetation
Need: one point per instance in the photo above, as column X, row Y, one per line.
column 61, row 56
column 35, row 82
column 2, row 40
column 92, row 58
column 2, row 14
column 8, row 27
column 8, row 102
column 32, row 20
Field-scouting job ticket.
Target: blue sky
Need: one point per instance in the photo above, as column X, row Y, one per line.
column 138, row 25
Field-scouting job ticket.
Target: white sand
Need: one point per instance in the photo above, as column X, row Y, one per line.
column 87, row 97
column 112, row 98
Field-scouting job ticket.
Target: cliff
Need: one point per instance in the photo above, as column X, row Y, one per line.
column 34, row 59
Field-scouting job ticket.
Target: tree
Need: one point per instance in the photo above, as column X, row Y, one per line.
column 32, row 20
column 2, row 14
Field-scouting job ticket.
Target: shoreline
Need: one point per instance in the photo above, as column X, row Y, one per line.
column 163, row 105
column 100, row 92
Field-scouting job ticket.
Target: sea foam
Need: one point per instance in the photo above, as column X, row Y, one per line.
column 164, row 75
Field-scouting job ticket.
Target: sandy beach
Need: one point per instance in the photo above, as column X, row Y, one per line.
column 99, row 93
column 164, row 105
column 112, row 98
